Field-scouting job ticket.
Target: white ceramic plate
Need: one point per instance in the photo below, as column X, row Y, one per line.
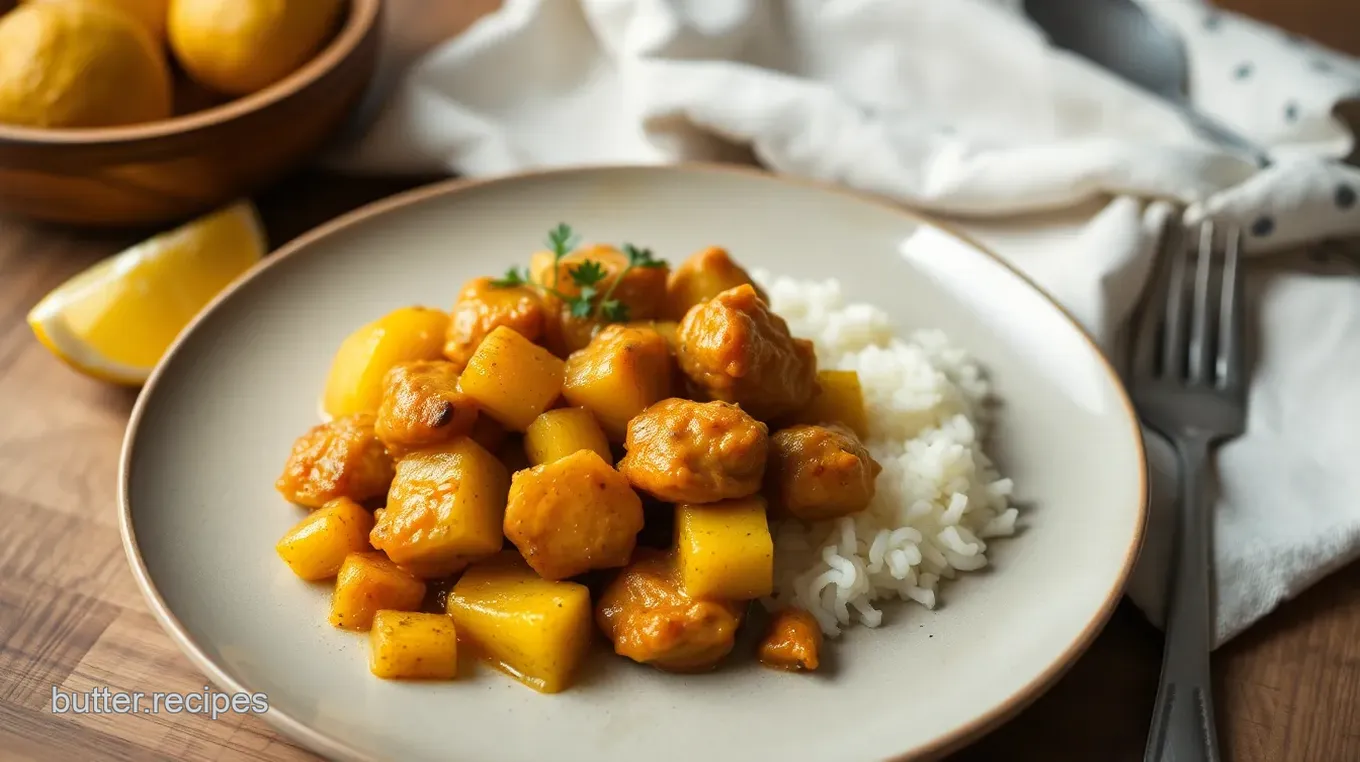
column 212, row 429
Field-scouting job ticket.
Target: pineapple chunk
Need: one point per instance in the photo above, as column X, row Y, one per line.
column 512, row 379
column 840, row 400
column 355, row 383
column 368, row 583
column 561, row 432
column 536, row 630
column 725, row 550
column 316, row 546
column 407, row 644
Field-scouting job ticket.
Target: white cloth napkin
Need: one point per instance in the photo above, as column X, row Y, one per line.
column 961, row 108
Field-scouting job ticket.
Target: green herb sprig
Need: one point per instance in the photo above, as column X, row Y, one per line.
column 587, row 277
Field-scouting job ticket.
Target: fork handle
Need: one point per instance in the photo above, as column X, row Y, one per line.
column 1183, row 718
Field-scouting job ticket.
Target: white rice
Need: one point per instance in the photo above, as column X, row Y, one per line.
column 938, row 500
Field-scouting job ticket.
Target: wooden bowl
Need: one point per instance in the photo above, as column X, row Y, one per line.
column 158, row 172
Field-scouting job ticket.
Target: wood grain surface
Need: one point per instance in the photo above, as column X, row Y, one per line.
column 72, row 619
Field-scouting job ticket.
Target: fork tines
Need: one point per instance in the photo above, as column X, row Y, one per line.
column 1190, row 329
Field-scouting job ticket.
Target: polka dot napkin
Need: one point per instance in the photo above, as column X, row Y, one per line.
column 962, row 108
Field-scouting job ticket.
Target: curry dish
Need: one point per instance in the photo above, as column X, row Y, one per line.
column 594, row 446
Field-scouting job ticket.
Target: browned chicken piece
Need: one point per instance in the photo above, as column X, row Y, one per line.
column 682, row 451
column 642, row 291
column 792, row 642
column 573, row 515
column 341, row 458
column 650, row 620
column 618, row 375
column 700, row 278
column 422, row 406
column 819, row 472
column 481, row 307
column 733, row 348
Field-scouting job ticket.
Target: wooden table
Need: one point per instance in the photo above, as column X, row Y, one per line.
column 71, row 617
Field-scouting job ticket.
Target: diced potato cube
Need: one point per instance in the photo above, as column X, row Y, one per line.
column 573, row 515
column 368, row 583
column 618, row 375
column 536, row 630
column 561, row 432
column 355, row 383
column 316, row 546
column 841, row 400
column 446, row 503
column 512, row 379
column 725, row 549
column 411, row 645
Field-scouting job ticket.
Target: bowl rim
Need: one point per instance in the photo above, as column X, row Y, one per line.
column 360, row 19
column 327, row 744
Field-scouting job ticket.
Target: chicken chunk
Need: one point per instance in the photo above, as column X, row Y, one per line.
column 422, row 406
column 733, row 348
column 621, row 372
column 650, row 620
column 573, row 515
column 682, row 451
column 819, row 472
column 483, row 306
column 792, row 642
column 642, row 292
column 700, row 278
column 341, row 458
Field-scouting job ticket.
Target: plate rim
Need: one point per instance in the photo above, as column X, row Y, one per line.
column 334, row 748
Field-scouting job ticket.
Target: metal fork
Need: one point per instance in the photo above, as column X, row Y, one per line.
column 1188, row 381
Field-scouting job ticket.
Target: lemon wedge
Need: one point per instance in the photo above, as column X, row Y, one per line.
column 115, row 320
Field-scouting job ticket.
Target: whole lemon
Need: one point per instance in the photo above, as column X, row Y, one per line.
column 151, row 13
column 78, row 64
column 240, row 46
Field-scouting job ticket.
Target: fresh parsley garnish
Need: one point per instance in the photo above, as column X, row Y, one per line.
column 641, row 257
column 614, row 311
column 515, row 276
column 588, row 273
column 589, row 301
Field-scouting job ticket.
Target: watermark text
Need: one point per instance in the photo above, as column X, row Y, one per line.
column 209, row 702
